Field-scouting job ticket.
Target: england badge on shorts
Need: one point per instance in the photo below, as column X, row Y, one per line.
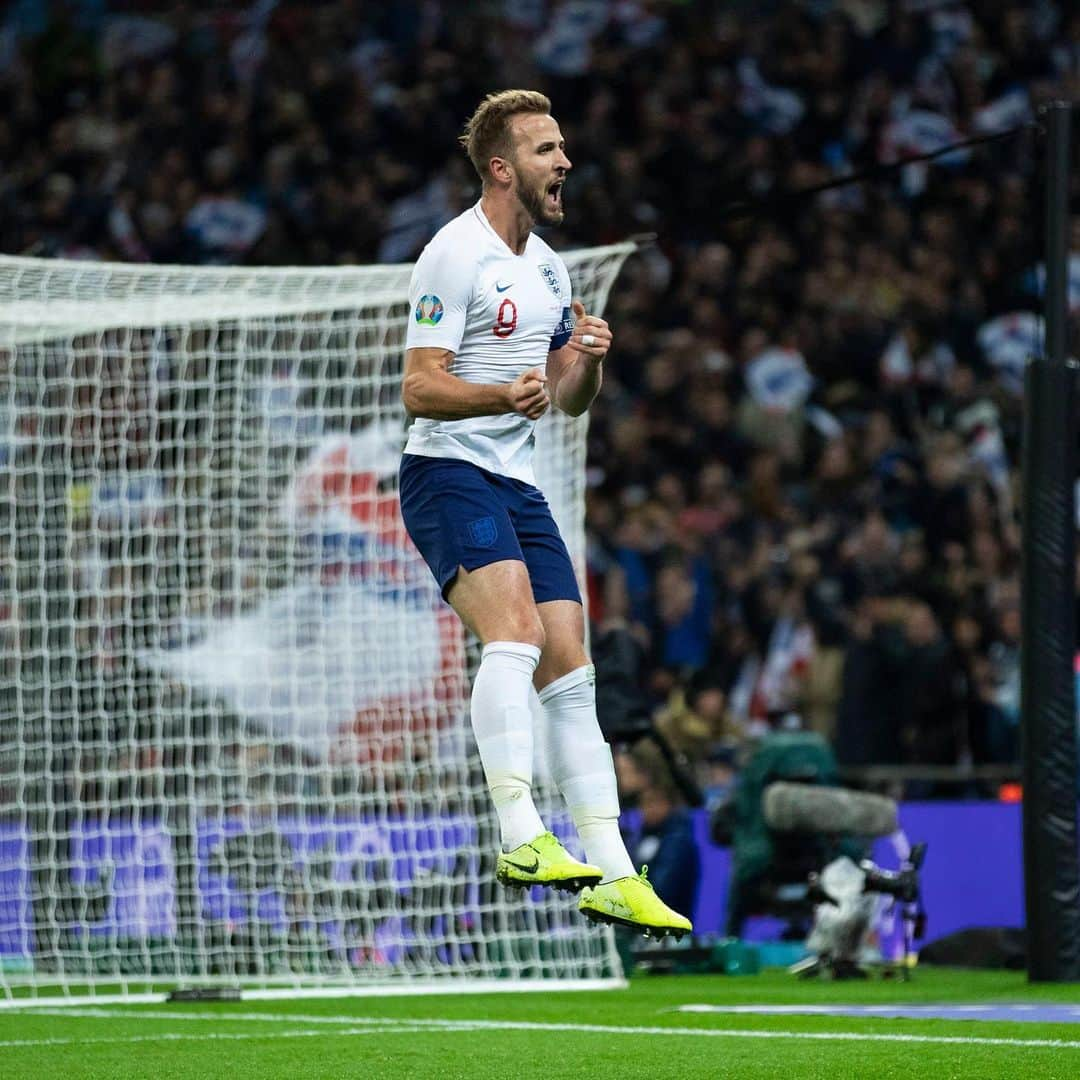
column 483, row 532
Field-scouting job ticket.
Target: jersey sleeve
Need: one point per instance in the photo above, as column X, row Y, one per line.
column 439, row 294
column 566, row 321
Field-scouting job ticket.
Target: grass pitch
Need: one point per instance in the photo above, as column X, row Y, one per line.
column 637, row 1032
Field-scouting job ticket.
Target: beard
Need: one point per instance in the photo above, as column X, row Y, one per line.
column 536, row 205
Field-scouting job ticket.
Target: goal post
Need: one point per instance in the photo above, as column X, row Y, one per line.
column 234, row 739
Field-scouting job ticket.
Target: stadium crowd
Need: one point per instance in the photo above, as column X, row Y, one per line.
column 803, row 465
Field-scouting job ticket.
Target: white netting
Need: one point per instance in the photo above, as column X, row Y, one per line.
column 234, row 743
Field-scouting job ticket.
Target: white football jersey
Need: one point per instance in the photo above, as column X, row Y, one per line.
column 499, row 314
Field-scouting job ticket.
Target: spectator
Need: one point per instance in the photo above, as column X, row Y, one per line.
column 665, row 843
column 1001, row 682
column 930, row 707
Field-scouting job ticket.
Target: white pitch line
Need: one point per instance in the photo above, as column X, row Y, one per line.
column 430, row 987
column 182, row 1014
column 210, row 1036
column 383, row 1026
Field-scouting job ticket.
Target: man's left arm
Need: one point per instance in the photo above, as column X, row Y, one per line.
column 574, row 370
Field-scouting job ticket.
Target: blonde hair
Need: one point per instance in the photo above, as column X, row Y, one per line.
column 487, row 133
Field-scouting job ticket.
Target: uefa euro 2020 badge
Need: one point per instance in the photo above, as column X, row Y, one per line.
column 429, row 310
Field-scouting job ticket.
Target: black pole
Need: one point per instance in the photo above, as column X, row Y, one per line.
column 1051, row 873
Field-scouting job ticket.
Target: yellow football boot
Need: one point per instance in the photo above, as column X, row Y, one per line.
column 544, row 861
column 632, row 902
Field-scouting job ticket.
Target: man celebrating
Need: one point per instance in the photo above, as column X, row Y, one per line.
column 493, row 341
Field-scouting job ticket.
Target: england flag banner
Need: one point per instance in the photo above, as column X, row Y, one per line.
column 358, row 650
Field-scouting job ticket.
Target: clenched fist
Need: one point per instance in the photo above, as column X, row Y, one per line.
column 528, row 395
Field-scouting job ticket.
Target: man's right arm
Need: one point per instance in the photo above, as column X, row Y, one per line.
column 429, row 390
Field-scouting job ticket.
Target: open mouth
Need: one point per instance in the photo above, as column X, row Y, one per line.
column 554, row 195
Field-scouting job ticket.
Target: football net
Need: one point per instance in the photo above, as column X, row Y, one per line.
column 234, row 738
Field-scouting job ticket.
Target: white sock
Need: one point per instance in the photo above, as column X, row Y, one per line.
column 581, row 766
column 502, row 724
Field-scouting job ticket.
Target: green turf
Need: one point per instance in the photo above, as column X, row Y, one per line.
column 369, row 1037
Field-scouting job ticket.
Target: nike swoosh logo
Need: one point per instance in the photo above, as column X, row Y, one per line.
column 500, row 287
column 526, row 869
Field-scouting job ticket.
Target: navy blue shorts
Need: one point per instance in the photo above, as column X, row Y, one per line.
column 461, row 515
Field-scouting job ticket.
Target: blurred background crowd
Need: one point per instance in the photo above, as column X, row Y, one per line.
column 803, row 466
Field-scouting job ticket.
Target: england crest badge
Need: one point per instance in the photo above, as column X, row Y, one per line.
column 550, row 276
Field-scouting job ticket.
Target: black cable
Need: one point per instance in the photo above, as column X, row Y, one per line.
column 748, row 207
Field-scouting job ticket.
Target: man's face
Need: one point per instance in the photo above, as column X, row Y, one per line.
column 540, row 167
column 655, row 807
